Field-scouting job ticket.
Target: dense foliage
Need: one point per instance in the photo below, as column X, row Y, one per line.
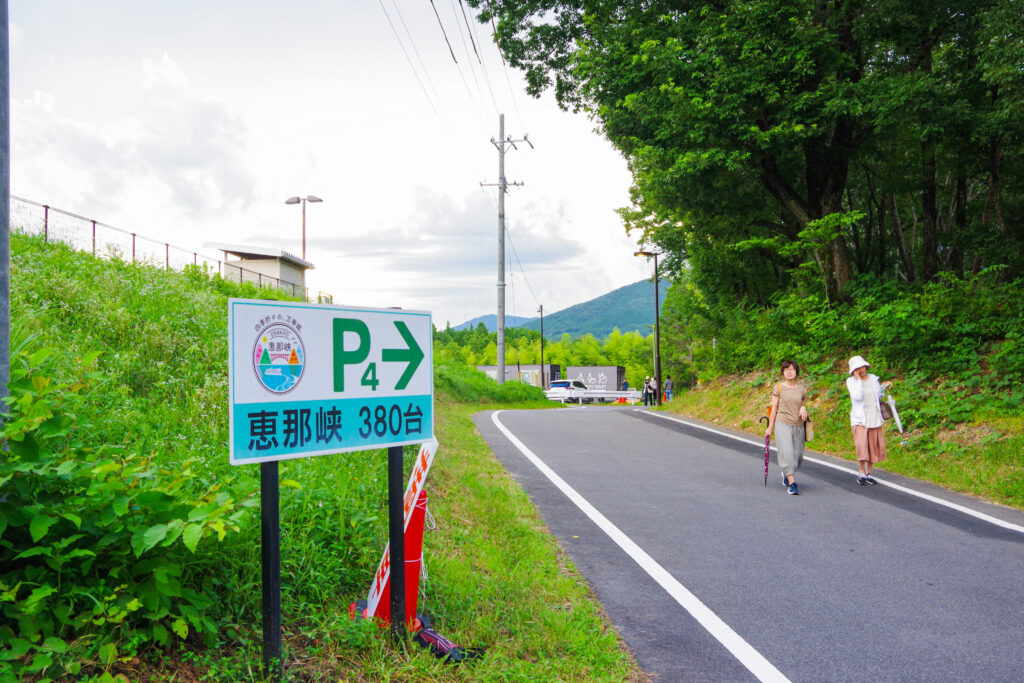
column 793, row 146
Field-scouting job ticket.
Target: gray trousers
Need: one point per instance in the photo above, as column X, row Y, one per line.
column 789, row 441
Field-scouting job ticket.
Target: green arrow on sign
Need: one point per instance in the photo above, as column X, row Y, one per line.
column 411, row 355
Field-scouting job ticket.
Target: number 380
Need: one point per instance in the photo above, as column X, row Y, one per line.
column 380, row 421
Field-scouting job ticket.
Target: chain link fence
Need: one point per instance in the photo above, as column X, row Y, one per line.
column 86, row 234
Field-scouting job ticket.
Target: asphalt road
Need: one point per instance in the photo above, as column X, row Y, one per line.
column 710, row 576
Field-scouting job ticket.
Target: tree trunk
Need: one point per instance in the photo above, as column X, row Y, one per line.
column 995, row 188
column 929, row 213
column 901, row 243
column 956, row 255
column 880, row 269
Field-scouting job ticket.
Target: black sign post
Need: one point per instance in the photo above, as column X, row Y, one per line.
column 271, row 536
column 396, row 532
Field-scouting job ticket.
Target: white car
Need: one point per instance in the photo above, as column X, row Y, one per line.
column 562, row 390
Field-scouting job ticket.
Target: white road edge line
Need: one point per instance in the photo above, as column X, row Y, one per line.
column 741, row 649
column 933, row 499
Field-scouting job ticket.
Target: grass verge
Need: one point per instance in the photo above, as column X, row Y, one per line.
column 494, row 577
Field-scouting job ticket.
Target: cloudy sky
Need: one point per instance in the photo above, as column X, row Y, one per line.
column 191, row 122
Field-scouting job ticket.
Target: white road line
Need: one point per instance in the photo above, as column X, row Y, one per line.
column 924, row 496
column 741, row 649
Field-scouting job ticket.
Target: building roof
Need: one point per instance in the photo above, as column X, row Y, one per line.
column 258, row 253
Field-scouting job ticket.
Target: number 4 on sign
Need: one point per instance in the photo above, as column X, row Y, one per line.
column 370, row 377
column 412, row 355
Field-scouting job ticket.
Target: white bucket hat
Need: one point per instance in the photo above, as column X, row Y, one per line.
column 858, row 362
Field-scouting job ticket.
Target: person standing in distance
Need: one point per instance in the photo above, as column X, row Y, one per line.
column 866, row 418
column 669, row 388
column 787, row 419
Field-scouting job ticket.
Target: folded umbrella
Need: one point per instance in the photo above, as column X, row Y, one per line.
column 895, row 416
column 767, row 441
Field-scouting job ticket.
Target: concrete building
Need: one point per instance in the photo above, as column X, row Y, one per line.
column 264, row 267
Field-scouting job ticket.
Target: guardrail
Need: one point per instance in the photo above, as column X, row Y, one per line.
column 598, row 395
column 87, row 234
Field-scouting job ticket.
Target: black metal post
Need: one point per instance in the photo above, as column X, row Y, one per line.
column 5, row 201
column 271, row 537
column 396, row 532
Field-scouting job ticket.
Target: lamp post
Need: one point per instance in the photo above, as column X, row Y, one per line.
column 303, row 200
column 657, row 323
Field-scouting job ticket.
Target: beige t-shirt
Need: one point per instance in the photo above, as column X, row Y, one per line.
column 790, row 400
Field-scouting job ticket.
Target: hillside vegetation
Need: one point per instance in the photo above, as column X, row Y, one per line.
column 628, row 309
column 129, row 547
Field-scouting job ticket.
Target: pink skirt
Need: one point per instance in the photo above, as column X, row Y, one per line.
column 870, row 444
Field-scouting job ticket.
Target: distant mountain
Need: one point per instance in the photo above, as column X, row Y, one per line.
column 491, row 322
column 630, row 308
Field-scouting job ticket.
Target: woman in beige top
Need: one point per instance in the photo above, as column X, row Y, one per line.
column 787, row 419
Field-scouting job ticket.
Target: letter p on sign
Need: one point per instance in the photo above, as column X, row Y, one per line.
column 353, row 357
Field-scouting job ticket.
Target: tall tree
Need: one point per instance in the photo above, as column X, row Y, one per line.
column 741, row 122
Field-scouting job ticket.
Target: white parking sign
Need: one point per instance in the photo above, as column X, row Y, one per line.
column 309, row 379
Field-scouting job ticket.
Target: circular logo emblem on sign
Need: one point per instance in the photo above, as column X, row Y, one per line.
column 278, row 358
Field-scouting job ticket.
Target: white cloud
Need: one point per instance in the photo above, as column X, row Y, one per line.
column 191, row 122
column 166, row 73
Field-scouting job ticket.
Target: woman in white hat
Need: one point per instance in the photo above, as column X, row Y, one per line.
column 866, row 417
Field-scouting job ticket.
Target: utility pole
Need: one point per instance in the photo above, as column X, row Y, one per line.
column 657, row 323
column 543, row 374
column 502, row 184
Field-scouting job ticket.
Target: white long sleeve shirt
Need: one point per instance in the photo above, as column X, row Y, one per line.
column 865, row 408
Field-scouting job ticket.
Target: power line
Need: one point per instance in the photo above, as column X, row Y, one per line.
column 483, row 70
column 426, row 95
column 512, row 92
column 571, row 248
column 443, row 32
column 508, row 234
column 469, row 92
column 462, row 6
column 504, row 66
column 426, row 72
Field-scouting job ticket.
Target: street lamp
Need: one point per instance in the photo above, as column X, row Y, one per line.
column 657, row 323
column 303, row 200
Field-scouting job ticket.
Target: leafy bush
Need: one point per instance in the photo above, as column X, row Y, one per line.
column 93, row 538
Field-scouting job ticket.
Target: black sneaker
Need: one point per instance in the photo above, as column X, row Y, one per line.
column 793, row 490
column 861, row 479
column 870, row 479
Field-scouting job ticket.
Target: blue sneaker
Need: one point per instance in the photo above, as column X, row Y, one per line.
column 870, row 479
column 793, row 491
column 785, row 482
